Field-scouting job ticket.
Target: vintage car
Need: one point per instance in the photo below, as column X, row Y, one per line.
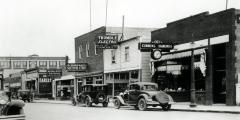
column 10, row 109
column 141, row 95
column 25, row 95
column 92, row 93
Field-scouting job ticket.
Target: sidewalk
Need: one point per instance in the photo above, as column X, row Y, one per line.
column 180, row 106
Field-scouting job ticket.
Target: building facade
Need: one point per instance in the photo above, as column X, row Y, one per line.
column 211, row 43
column 86, row 52
column 126, row 64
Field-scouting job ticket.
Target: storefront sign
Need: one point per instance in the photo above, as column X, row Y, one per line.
column 147, row 47
column 107, row 41
column 76, row 67
column 50, row 73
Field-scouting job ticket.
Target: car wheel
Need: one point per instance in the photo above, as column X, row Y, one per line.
column 88, row 102
column 74, row 102
column 105, row 104
column 142, row 105
column 117, row 103
column 166, row 107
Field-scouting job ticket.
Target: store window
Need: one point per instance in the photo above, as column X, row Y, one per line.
column 175, row 75
column 113, row 56
column 134, row 74
column 89, row 80
column 127, row 54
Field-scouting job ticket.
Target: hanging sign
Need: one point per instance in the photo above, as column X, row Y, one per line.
column 148, row 47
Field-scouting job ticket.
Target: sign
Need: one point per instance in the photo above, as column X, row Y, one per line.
column 50, row 73
column 106, row 46
column 76, row 67
column 148, row 47
column 107, row 41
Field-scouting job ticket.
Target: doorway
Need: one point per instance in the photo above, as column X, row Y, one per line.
column 219, row 73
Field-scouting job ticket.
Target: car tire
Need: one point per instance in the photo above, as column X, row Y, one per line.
column 142, row 104
column 88, row 102
column 117, row 103
column 74, row 102
column 105, row 104
column 166, row 107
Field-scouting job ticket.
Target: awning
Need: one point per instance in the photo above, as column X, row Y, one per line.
column 181, row 54
column 89, row 74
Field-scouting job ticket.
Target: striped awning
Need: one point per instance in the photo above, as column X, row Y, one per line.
column 181, row 54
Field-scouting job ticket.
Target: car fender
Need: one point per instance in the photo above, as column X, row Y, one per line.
column 120, row 99
column 87, row 96
column 145, row 96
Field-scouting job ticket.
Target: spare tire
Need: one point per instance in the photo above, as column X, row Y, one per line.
column 101, row 97
column 162, row 97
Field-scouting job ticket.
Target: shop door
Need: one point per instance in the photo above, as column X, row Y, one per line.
column 219, row 73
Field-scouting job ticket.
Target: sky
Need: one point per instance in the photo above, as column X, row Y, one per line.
column 48, row 27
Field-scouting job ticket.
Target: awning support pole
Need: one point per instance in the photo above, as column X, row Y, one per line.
column 192, row 89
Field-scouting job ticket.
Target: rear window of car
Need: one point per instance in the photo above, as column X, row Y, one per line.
column 149, row 87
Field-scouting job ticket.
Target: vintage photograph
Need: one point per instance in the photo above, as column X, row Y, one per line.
column 119, row 59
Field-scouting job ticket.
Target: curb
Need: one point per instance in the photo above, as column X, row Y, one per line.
column 210, row 111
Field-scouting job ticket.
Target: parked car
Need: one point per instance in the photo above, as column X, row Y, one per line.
column 92, row 93
column 143, row 94
column 25, row 95
column 10, row 109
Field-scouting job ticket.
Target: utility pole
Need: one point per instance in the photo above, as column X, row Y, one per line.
column 226, row 4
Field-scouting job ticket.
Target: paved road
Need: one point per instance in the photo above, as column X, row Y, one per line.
column 46, row 111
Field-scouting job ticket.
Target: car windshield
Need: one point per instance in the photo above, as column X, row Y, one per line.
column 149, row 87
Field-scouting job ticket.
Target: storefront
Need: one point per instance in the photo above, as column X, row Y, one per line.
column 63, row 88
column 118, row 81
column 40, row 81
column 203, row 67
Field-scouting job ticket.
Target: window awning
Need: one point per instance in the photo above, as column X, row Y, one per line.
column 181, row 54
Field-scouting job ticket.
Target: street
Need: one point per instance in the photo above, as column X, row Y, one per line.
column 46, row 111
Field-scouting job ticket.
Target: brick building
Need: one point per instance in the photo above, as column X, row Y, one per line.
column 86, row 52
column 215, row 42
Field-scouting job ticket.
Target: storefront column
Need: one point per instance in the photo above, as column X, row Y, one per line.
column 193, row 91
column 113, row 82
column 209, row 76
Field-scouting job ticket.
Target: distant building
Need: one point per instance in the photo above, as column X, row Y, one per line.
column 16, row 71
column 14, row 64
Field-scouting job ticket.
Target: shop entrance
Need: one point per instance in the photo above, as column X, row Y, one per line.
column 219, row 73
